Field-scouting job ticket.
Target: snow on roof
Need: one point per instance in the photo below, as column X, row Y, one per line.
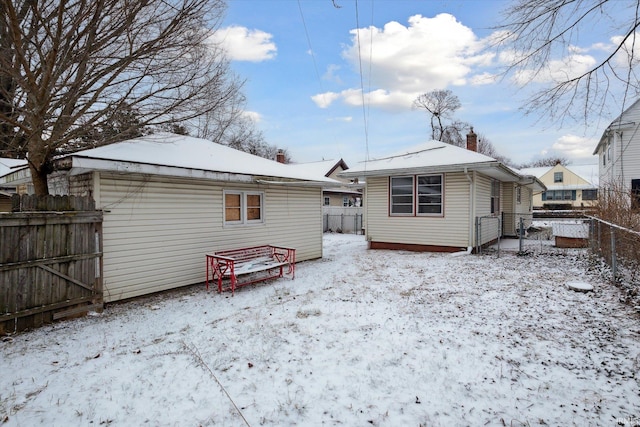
column 322, row 167
column 6, row 165
column 537, row 172
column 428, row 154
column 589, row 173
column 166, row 149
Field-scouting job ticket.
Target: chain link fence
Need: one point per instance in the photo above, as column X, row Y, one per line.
column 350, row 222
column 616, row 247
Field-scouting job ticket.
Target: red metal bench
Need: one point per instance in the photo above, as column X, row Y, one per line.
column 258, row 264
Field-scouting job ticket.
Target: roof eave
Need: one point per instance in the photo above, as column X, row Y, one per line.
column 480, row 167
column 83, row 164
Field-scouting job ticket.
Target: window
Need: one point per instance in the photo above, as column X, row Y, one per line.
column 557, row 177
column 401, row 197
column 518, row 195
column 559, row 195
column 635, row 193
column 416, row 195
column 589, row 194
column 345, row 201
column 495, row 197
column 327, row 201
column 430, row 195
column 243, row 207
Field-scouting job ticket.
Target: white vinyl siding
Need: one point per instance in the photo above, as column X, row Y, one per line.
column 623, row 163
column 157, row 230
column 449, row 229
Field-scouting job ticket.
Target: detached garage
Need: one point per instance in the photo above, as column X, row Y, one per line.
column 169, row 199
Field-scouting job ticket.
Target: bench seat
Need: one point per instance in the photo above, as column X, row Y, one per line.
column 247, row 263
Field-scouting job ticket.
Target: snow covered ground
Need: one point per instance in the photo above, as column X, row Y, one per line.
column 358, row 338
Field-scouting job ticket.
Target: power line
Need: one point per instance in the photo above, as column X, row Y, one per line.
column 364, row 108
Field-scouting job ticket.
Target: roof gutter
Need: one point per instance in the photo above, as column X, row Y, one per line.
column 421, row 169
column 320, row 184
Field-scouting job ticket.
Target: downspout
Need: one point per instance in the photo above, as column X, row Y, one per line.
column 472, row 199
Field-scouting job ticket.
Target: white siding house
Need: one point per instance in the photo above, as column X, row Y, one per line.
column 438, row 197
column 169, row 199
column 618, row 154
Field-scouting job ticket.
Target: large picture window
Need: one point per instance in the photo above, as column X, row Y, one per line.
column 243, row 207
column 415, row 195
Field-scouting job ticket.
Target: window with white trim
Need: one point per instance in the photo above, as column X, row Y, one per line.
column 243, row 207
column 518, row 195
column 416, row 195
column 558, row 177
column 327, row 201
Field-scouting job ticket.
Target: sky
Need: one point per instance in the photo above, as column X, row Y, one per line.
column 322, row 90
column 359, row 338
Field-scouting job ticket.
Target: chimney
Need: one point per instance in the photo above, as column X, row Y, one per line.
column 280, row 156
column 472, row 141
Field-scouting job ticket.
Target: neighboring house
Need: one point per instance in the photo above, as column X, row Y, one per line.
column 568, row 187
column 343, row 196
column 440, row 197
column 7, row 190
column 169, row 199
column 618, row 153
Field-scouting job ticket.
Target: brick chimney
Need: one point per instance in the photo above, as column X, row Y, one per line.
column 280, row 156
column 472, row 141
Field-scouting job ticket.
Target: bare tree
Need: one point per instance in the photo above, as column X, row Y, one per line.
column 68, row 68
column 486, row 147
column 541, row 38
column 440, row 104
column 546, row 162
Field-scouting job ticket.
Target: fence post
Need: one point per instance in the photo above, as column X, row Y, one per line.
column 613, row 252
column 342, row 222
column 478, row 246
column 521, row 233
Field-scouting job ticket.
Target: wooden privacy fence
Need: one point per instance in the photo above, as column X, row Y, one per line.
column 50, row 261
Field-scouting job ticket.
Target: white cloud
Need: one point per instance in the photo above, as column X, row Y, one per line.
column 243, row 44
column 574, row 147
column 253, row 116
column 483, row 79
column 377, row 98
column 331, row 74
column 426, row 54
column 557, row 71
column 630, row 49
column 324, row 100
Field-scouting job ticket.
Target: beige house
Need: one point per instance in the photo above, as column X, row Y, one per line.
column 568, row 187
column 169, row 199
column 439, row 197
column 618, row 154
